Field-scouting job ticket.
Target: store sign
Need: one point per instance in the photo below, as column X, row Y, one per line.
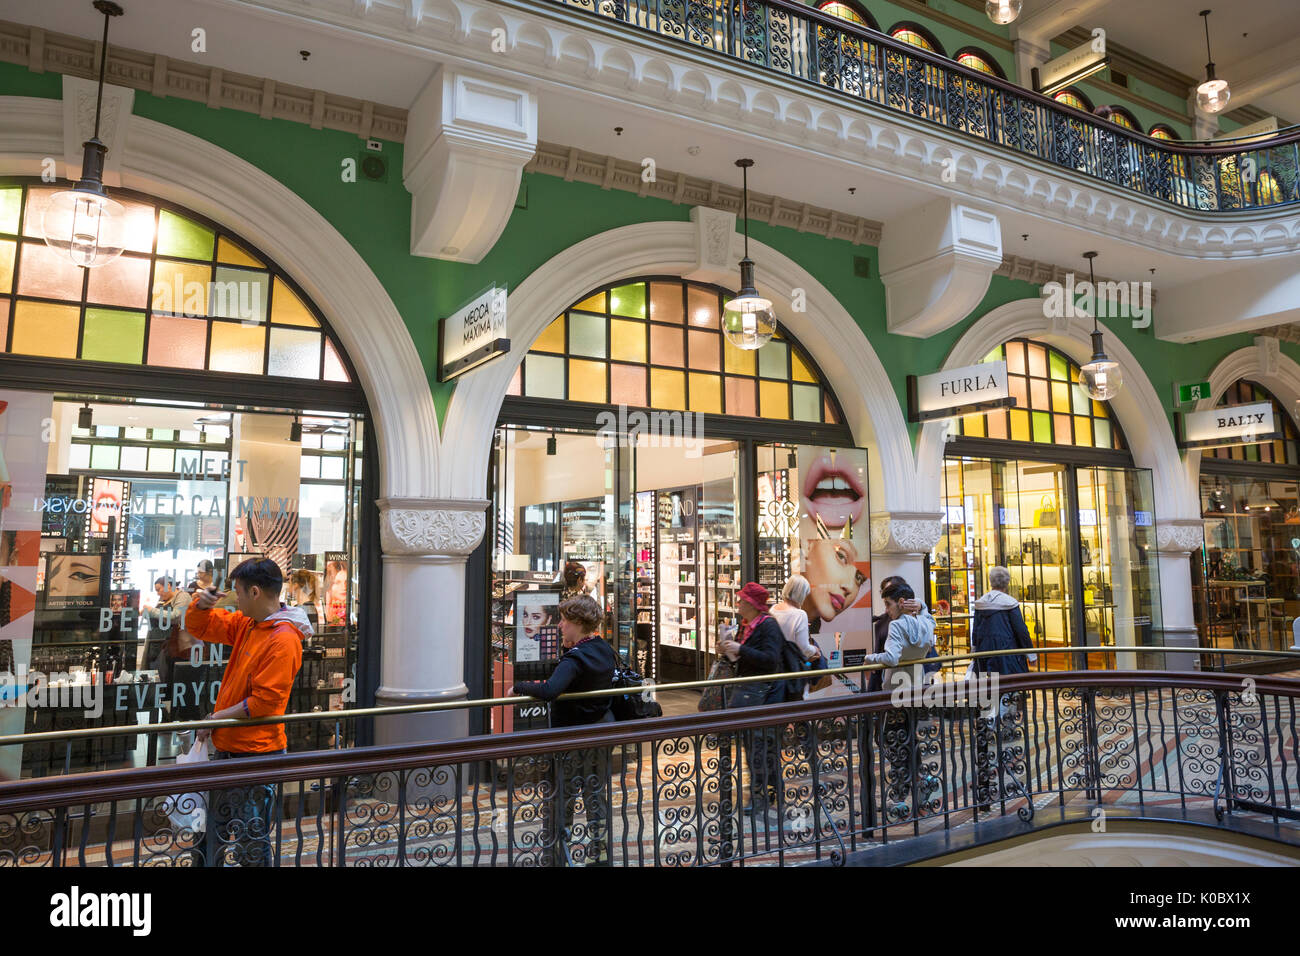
column 958, row 391
column 473, row 335
column 1229, row 425
column 1070, row 67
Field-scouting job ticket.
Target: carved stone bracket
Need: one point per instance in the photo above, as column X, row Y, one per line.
column 79, row 125
column 1179, row 537
column 431, row 526
column 905, row 532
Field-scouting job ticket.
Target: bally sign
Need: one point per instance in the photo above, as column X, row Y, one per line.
column 473, row 335
column 958, row 391
column 1231, row 425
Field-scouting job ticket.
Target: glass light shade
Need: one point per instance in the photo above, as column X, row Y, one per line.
column 1101, row 379
column 1212, row 96
column 1003, row 11
column 748, row 322
column 86, row 226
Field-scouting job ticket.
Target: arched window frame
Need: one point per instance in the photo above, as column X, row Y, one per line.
column 994, row 68
column 1078, row 94
column 922, row 32
column 868, row 20
column 1163, row 132
column 1136, row 127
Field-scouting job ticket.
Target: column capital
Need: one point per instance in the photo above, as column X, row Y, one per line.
column 431, row 526
column 1180, row 536
column 905, row 532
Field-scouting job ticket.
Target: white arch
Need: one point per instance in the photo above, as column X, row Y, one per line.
column 1138, row 406
column 1283, row 382
column 174, row 165
column 825, row 329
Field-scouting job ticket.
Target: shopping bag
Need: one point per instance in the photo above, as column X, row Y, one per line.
column 712, row 696
column 189, row 811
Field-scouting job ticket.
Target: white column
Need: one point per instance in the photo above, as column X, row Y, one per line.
column 1176, row 539
column 425, row 543
column 900, row 540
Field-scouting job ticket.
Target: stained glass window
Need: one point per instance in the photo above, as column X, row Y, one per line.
column 186, row 294
column 909, row 33
column 846, row 11
column 1121, row 117
column 657, row 343
column 1051, row 407
column 1163, row 132
column 1072, row 98
column 974, row 60
column 1281, row 451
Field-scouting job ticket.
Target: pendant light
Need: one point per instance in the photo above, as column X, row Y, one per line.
column 1101, row 377
column 1003, row 11
column 295, row 430
column 86, row 417
column 83, row 222
column 1212, row 95
column 748, row 320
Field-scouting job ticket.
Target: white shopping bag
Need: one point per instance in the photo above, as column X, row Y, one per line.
column 189, row 811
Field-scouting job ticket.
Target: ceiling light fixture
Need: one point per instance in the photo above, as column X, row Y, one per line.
column 1212, row 95
column 86, row 417
column 550, row 444
column 748, row 320
column 83, row 222
column 295, row 430
column 1003, row 11
column 1101, row 377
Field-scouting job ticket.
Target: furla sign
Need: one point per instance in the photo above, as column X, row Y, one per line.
column 958, row 391
column 1229, row 425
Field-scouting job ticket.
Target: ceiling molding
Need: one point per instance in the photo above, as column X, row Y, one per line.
column 1133, row 63
column 1024, row 269
column 41, row 51
column 608, row 172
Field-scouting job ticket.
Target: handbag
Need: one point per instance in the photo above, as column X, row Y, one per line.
column 1046, row 515
column 711, row 699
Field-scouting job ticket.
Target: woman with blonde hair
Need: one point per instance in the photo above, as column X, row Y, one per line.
column 304, row 591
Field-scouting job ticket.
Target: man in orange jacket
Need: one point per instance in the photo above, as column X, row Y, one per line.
column 265, row 638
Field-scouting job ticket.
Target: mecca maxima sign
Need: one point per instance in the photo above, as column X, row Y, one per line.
column 473, row 335
column 958, row 391
column 1230, row 425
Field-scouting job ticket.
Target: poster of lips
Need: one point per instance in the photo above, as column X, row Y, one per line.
column 834, row 535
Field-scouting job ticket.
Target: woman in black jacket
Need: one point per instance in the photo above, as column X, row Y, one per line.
column 588, row 663
column 758, row 652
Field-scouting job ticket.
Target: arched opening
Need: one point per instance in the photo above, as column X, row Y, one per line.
column 850, row 11
column 976, row 59
column 1049, row 490
column 163, row 418
column 1246, row 576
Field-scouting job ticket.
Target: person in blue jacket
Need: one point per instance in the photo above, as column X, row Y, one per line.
column 999, row 626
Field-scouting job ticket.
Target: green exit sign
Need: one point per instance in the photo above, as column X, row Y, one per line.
column 1192, row 392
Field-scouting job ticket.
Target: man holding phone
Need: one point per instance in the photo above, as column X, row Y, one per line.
column 265, row 640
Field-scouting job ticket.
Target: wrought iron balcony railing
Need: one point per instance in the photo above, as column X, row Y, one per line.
column 830, row 780
column 862, row 65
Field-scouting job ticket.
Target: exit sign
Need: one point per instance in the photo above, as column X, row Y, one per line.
column 1192, row 392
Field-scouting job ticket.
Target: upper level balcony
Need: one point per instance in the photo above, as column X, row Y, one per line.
column 862, row 65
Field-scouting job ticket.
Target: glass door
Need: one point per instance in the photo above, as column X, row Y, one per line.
column 1038, row 548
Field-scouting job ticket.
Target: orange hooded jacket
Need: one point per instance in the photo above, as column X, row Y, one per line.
column 264, row 660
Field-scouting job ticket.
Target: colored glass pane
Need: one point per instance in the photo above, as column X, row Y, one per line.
column 1069, row 99
column 1038, row 394
column 1020, row 425
column 974, row 61
column 627, row 385
column 140, row 226
column 544, row 376
column 112, row 335
column 1016, row 358
column 1060, row 368
column 773, row 399
column 741, row 397
column 593, row 303
column 997, row 425
column 843, row 11
column 104, row 457
column 1082, row 430
column 1159, row 132
column 232, row 255
column 586, row 381
column 829, row 411
column 627, row 340
column 1043, row 427
column 8, row 252
column 666, row 302
column 288, row 309
column 1019, row 390
column 628, row 300
column 1060, row 397
column 666, row 346
column 915, row 39
column 124, row 281
column 177, row 342
column 1037, row 360
column 552, row 340
column 4, row 324
column 47, row 273
column 667, row 389
column 43, row 328
column 37, row 199
column 973, row 425
column 799, row 369
column 239, row 294
column 295, row 353
column 1120, row 119
column 183, row 238
column 807, row 403
column 737, row 361
column 705, row 350
column 994, row 356
column 772, row 360
column 706, row 393
column 334, row 369
column 1101, row 429
column 587, row 335
column 11, row 201
column 180, row 287
column 237, row 348
column 702, row 307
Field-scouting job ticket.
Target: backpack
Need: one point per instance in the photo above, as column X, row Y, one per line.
column 637, row 704
column 792, row 660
